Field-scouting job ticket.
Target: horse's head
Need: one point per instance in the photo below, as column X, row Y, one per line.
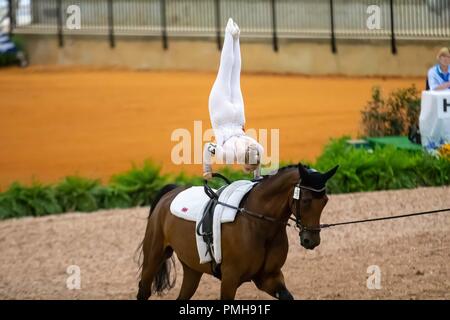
column 309, row 200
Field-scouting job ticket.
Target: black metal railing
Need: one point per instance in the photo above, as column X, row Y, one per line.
column 259, row 19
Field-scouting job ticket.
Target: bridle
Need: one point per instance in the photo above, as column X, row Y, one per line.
column 297, row 196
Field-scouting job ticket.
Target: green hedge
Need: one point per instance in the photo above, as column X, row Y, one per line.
column 382, row 168
column 136, row 187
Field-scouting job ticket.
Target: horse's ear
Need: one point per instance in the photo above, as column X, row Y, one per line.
column 327, row 175
column 302, row 170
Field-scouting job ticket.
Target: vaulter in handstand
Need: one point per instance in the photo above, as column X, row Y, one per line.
column 226, row 110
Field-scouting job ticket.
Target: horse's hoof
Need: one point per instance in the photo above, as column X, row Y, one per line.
column 284, row 295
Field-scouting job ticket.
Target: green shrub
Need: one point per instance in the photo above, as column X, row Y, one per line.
column 108, row 197
column 19, row 42
column 382, row 168
column 7, row 59
column 393, row 116
column 36, row 200
column 185, row 180
column 77, row 194
column 140, row 184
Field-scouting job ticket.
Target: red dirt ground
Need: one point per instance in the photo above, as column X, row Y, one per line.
column 56, row 122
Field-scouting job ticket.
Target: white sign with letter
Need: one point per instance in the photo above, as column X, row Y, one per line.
column 434, row 120
column 443, row 106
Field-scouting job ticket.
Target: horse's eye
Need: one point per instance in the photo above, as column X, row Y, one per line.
column 306, row 202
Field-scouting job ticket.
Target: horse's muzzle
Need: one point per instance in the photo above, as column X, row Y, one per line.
column 309, row 240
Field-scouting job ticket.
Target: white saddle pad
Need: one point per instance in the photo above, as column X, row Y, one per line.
column 190, row 204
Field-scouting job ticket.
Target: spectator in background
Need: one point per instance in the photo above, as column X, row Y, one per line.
column 439, row 75
column 9, row 49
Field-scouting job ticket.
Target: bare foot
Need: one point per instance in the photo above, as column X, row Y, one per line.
column 230, row 27
column 237, row 31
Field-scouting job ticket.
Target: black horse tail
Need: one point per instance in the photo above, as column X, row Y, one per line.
column 162, row 278
column 161, row 281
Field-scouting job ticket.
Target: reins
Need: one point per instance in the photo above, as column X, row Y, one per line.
column 383, row 218
column 251, row 213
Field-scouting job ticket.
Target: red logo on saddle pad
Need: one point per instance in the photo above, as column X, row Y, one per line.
column 184, row 209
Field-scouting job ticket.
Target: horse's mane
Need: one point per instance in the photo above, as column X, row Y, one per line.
column 290, row 166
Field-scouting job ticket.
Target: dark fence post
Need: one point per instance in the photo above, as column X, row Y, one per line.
column 393, row 43
column 274, row 26
column 112, row 42
column 59, row 21
column 333, row 37
column 11, row 17
column 217, row 15
column 163, row 24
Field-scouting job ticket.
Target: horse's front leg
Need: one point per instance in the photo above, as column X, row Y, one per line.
column 274, row 285
column 229, row 286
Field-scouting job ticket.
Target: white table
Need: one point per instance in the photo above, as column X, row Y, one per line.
column 434, row 120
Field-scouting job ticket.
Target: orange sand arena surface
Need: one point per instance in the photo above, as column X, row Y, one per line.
column 56, row 122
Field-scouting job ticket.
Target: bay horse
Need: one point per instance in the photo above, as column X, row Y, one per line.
column 254, row 245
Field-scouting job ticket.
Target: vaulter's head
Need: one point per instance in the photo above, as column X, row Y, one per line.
column 252, row 158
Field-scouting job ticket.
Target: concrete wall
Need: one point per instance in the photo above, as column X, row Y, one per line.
column 310, row 57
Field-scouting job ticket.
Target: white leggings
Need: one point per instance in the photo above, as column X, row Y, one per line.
column 226, row 109
column 226, row 105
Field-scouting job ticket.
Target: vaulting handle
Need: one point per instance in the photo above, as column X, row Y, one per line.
column 218, row 175
column 210, row 192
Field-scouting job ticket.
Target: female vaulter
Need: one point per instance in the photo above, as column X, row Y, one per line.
column 226, row 110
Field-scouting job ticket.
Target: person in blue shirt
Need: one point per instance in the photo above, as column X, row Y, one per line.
column 8, row 47
column 439, row 75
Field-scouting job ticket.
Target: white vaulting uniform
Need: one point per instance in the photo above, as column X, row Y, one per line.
column 226, row 106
